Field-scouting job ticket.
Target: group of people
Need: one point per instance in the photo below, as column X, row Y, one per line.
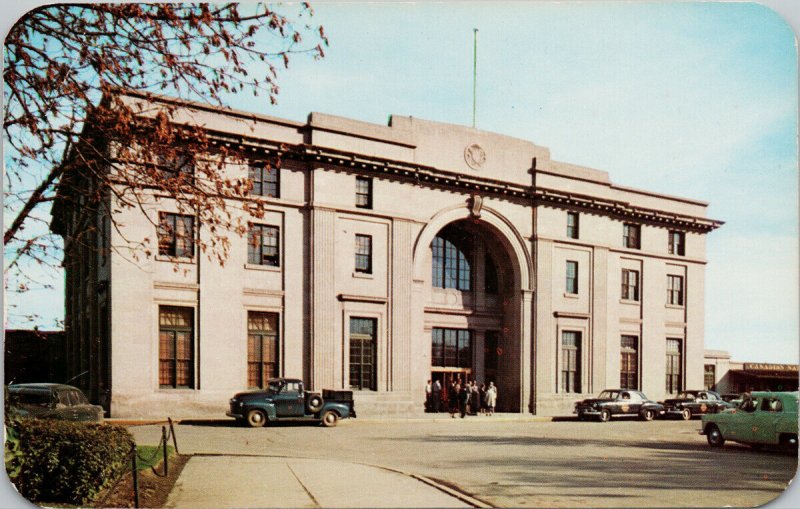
column 465, row 398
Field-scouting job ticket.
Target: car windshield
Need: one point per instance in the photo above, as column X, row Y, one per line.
column 609, row 395
column 41, row 399
column 685, row 395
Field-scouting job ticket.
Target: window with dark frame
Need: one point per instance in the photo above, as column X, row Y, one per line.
column 451, row 348
column 451, row 263
column 675, row 290
column 570, row 361
column 490, row 281
column 175, row 347
column 630, row 284
column 175, row 235
column 631, row 235
column 572, row 277
column 262, row 348
column 364, row 254
column 364, row 192
column 629, row 363
column 263, row 245
column 674, row 365
column 709, row 376
column 266, row 180
column 677, row 243
column 573, row 225
column 362, row 353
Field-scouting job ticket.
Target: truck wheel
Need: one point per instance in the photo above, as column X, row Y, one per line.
column 314, row 403
column 648, row 415
column 714, row 436
column 256, row 418
column 605, row 415
column 330, row 418
column 686, row 414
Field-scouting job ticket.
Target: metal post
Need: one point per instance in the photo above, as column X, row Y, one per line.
column 164, row 442
column 172, row 432
column 135, row 477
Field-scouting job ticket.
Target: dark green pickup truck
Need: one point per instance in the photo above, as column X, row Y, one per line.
column 285, row 399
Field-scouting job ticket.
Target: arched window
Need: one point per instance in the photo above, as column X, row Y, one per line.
column 451, row 265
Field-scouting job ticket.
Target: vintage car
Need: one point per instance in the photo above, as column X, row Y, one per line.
column 51, row 401
column 616, row 402
column 689, row 403
column 762, row 418
column 285, row 399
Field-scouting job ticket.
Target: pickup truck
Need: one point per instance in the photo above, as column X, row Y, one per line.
column 285, row 399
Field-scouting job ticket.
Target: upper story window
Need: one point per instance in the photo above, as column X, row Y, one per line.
column 677, row 243
column 573, row 225
column 572, row 277
column 451, row 263
column 179, row 168
column 675, row 290
column 630, row 284
column 364, row 254
column 263, row 246
column 363, row 192
column 631, row 235
column 266, row 181
column 176, row 235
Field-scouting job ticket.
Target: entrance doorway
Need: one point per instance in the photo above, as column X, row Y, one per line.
column 446, row 378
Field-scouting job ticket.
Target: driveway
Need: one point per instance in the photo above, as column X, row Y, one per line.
column 521, row 463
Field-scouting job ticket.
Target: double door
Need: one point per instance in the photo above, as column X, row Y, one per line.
column 447, row 377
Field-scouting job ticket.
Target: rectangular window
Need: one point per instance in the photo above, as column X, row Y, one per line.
column 263, row 245
column 631, row 235
column 674, row 364
column 262, row 348
column 570, row 361
column 675, row 290
column 630, row 284
column 175, row 346
column 629, row 363
column 677, row 243
column 363, row 192
column 176, row 235
column 362, row 353
column 572, row 225
column 710, row 376
column 266, row 181
column 572, row 277
column 451, row 348
column 177, row 170
column 364, row 254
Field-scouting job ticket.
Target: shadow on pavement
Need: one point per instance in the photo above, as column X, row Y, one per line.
column 231, row 423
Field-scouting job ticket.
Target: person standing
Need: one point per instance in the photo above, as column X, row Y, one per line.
column 428, row 396
column 482, row 396
column 474, row 398
column 436, row 395
column 463, row 397
column 491, row 398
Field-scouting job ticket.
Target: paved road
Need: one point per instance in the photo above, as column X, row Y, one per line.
column 513, row 463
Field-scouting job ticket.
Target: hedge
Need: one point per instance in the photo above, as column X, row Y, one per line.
column 69, row 462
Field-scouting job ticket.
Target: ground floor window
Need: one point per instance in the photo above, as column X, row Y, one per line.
column 570, row 361
column 710, row 376
column 451, row 348
column 362, row 353
column 674, row 363
column 262, row 348
column 176, row 346
column 629, row 363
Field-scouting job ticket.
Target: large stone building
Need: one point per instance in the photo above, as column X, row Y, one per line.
column 390, row 255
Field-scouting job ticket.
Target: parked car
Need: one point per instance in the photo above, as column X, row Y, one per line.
column 285, row 398
column 51, row 401
column 615, row 402
column 763, row 418
column 689, row 403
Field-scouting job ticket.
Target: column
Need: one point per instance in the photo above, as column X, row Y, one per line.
column 323, row 331
column 400, row 307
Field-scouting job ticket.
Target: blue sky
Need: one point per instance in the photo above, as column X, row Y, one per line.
column 697, row 100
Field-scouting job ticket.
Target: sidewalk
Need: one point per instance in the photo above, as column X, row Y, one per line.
column 258, row 481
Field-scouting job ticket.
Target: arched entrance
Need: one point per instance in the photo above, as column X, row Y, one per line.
column 472, row 273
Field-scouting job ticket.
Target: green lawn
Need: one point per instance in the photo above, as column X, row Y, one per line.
column 153, row 454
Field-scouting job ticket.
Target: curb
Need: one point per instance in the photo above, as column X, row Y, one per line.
column 375, row 419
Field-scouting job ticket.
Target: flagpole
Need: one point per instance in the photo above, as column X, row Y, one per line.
column 474, row 72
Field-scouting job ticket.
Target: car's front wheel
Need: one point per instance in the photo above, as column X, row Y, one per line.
column 714, row 436
column 686, row 414
column 605, row 415
column 256, row 418
column 648, row 415
column 330, row 418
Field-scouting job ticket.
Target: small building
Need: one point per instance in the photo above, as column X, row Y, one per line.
column 389, row 255
column 727, row 376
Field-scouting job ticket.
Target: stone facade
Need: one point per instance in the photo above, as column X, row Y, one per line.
column 508, row 220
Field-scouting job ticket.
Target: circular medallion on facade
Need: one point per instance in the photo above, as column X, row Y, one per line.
column 475, row 156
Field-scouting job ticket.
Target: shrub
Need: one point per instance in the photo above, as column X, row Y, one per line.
column 69, row 462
